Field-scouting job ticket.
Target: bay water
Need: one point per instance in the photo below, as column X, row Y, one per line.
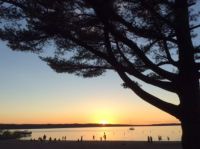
column 139, row 133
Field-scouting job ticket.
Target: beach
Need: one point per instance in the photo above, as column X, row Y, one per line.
column 19, row 144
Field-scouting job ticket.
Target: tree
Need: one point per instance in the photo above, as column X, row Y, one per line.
column 148, row 40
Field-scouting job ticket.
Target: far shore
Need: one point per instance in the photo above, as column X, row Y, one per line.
column 41, row 126
column 17, row 144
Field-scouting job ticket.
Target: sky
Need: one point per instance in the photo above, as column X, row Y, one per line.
column 31, row 92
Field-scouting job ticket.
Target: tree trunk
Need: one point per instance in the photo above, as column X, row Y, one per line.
column 190, row 114
column 191, row 133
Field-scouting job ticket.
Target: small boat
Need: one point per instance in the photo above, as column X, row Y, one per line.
column 24, row 132
column 7, row 135
column 131, row 128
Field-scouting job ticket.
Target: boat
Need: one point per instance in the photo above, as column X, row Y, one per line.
column 8, row 135
column 24, row 132
column 131, row 128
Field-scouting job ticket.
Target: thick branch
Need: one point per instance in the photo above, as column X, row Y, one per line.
column 133, row 71
column 140, row 54
column 130, row 69
column 167, row 107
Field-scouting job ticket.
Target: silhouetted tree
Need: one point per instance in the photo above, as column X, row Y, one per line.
column 148, row 40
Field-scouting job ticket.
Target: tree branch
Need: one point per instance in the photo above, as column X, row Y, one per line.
column 140, row 54
column 146, row 33
column 163, row 63
column 194, row 27
column 145, row 4
column 168, row 54
column 64, row 66
column 165, row 106
column 83, row 44
column 133, row 71
column 148, row 47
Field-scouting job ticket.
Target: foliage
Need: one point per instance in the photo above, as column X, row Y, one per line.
column 148, row 40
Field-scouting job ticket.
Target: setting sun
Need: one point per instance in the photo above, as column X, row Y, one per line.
column 104, row 115
column 103, row 122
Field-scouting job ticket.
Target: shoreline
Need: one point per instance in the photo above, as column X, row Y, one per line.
column 46, row 126
column 27, row 144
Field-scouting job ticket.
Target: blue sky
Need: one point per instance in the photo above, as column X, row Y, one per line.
column 31, row 92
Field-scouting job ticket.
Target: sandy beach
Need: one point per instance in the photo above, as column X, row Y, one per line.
column 88, row 145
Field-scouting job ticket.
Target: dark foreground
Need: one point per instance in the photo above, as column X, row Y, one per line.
column 88, row 145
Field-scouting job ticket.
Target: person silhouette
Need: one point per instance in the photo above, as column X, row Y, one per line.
column 44, row 137
column 148, row 139
column 93, row 137
column 160, row 138
column 104, row 136
column 168, row 138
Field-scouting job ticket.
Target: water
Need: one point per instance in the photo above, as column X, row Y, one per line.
column 112, row 133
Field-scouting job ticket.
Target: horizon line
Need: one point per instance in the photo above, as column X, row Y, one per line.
column 76, row 125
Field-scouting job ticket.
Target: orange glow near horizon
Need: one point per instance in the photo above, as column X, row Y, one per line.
column 102, row 115
column 104, row 122
column 99, row 119
column 102, row 110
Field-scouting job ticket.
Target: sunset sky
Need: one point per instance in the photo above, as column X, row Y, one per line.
column 31, row 92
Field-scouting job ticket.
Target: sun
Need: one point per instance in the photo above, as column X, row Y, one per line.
column 103, row 122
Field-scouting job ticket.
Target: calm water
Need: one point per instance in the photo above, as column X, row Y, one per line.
column 112, row 133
